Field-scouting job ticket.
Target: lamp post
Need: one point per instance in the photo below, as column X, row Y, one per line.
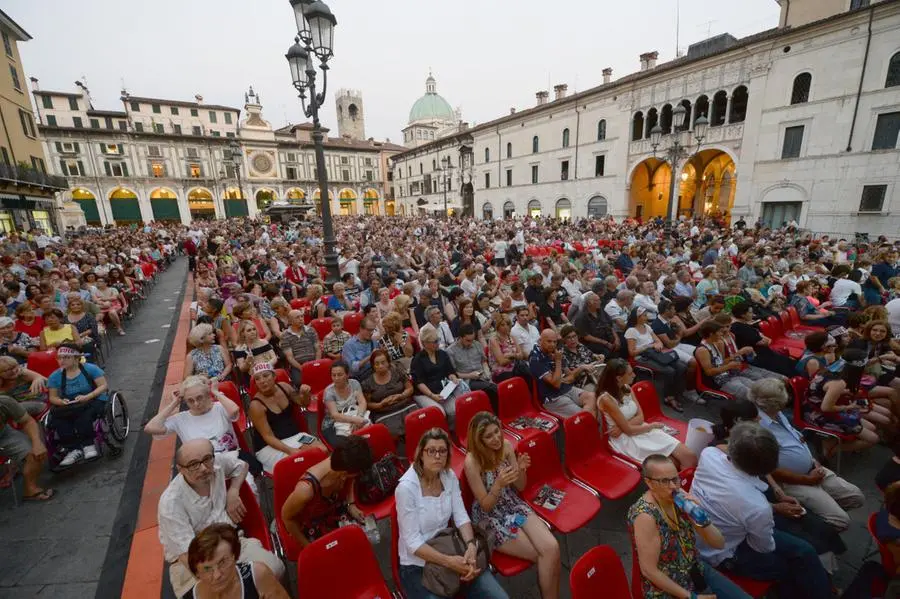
column 678, row 150
column 447, row 172
column 236, row 161
column 315, row 31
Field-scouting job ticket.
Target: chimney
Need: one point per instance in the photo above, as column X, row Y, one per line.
column 199, row 99
column 542, row 97
column 607, row 75
column 34, row 84
column 512, row 110
column 648, row 60
column 560, row 91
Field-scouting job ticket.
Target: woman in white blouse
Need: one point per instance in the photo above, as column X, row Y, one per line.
column 427, row 497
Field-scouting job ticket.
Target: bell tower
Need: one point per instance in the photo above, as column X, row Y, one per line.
column 350, row 115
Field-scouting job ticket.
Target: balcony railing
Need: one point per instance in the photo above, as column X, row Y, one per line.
column 22, row 175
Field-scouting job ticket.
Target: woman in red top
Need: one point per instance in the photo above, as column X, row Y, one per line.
column 27, row 321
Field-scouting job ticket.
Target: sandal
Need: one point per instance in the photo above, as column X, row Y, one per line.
column 44, row 495
column 673, row 403
column 7, row 479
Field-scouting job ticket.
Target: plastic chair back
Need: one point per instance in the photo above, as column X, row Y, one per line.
column 284, row 478
column 322, row 326
column 515, row 399
column 645, row 394
column 322, row 567
column 466, row 407
column 352, row 322
column 887, row 558
column 799, row 386
column 765, row 327
column 599, row 573
column 316, row 374
column 418, row 422
column 786, row 324
column 545, row 464
column 775, row 324
column 379, row 439
column 254, row 522
column 395, row 554
column 583, row 439
column 43, row 362
column 299, row 304
column 795, row 317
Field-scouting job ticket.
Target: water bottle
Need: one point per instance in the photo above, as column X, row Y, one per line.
column 693, row 511
column 371, row 528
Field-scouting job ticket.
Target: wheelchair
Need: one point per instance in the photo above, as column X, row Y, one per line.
column 110, row 432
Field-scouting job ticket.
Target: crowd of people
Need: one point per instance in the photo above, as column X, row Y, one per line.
column 425, row 312
column 59, row 302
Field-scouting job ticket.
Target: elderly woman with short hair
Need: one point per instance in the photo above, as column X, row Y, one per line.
column 57, row 331
column 207, row 358
column 432, row 371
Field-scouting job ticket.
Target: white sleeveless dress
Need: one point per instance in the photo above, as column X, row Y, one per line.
column 638, row 447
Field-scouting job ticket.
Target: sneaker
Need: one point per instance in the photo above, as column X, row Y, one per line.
column 72, row 457
column 90, row 452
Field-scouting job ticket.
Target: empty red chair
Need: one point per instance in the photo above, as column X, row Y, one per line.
column 507, row 565
column 645, row 394
column 580, row 503
column 351, row 322
column 887, row 557
column 316, row 374
column 254, row 522
column 322, row 326
column 420, row 421
column 285, row 477
column 281, row 376
column 599, row 573
column 43, row 362
column 516, row 401
column 797, row 324
column 589, row 461
column 379, row 439
column 322, row 570
column 299, row 304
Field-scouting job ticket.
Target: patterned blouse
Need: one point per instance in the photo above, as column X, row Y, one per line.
column 211, row 364
column 677, row 549
column 395, row 350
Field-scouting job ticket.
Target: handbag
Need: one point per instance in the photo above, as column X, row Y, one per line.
column 379, row 482
column 344, row 429
column 660, row 357
column 443, row 581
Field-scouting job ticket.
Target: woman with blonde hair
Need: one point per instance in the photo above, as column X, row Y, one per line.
column 207, row 357
column 251, row 349
column 497, row 476
column 427, row 497
column 396, row 340
column 503, row 350
column 402, row 307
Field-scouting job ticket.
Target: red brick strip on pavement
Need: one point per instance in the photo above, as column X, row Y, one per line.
column 144, row 574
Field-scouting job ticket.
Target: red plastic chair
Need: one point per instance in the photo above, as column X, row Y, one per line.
column 285, row 477
column 242, row 424
column 316, row 374
column 799, row 385
column 507, row 565
column 580, row 504
column 322, row 326
column 299, row 304
column 645, row 394
column 700, row 385
column 418, row 422
column 797, row 324
column 42, row 362
column 281, row 376
column 887, row 558
column 254, row 523
column 516, row 400
column 322, row 567
column 352, row 321
column 395, row 554
column 466, row 407
column 599, row 573
column 379, row 439
column 589, row 460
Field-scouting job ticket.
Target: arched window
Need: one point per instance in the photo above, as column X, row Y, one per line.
column 652, row 121
column 487, row 154
column 701, row 108
column 684, row 125
column 665, row 119
column 597, row 207
column 601, row 130
column 637, row 126
column 719, row 108
column 800, row 91
column 509, row 209
column 739, row 100
column 534, row 208
column 487, row 211
column 535, row 145
column 434, row 165
column 509, row 150
column 565, row 140
column 563, row 209
column 893, row 74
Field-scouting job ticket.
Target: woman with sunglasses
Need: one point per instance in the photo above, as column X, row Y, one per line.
column 428, row 496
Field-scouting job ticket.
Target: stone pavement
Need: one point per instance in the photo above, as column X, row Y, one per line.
column 76, row 545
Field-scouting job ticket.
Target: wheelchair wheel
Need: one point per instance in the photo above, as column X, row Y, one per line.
column 117, row 421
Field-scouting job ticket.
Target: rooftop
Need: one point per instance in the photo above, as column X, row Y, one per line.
column 7, row 22
column 142, row 100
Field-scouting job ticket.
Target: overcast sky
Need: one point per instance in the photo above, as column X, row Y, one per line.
column 487, row 55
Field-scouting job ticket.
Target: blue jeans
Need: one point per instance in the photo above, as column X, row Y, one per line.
column 719, row 585
column 483, row 587
column 794, row 565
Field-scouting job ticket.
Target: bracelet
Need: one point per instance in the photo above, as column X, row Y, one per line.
column 472, row 542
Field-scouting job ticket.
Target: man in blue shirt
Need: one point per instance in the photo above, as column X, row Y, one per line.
column 624, row 262
column 819, row 489
column 357, row 350
column 730, row 489
column 555, row 391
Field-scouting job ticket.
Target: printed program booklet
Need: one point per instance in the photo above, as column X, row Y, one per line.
column 525, row 422
column 549, row 498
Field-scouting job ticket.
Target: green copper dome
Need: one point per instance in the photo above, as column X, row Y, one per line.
column 431, row 106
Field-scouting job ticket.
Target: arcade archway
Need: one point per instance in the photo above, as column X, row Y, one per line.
column 200, row 204
column 164, row 204
column 125, row 207
column 88, row 204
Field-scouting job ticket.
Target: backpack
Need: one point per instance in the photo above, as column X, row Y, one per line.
column 90, row 380
column 378, row 482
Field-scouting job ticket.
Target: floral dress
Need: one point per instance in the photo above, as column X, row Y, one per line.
column 677, row 548
column 211, row 364
column 508, row 514
column 846, row 423
column 507, row 348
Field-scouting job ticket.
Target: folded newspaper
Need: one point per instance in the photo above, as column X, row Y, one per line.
column 549, row 498
column 524, row 422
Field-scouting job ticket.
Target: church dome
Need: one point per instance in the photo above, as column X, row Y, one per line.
column 431, row 106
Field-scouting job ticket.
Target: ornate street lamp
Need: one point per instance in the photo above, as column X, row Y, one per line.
column 315, row 35
column 447, row 171
column 237, row 160
column 678, row 150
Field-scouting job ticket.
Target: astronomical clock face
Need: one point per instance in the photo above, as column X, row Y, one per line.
column 262, row 163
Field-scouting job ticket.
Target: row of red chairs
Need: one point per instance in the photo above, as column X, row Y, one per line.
column 787, row 332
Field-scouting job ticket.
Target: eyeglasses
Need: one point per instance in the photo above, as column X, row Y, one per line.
column 436, row 452
column 223, row 564
column 194, row 466
column 667, row 481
